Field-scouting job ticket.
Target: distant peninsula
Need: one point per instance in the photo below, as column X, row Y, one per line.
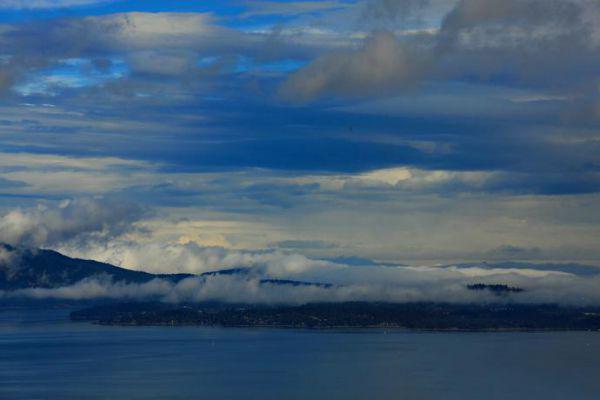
column 418, row 316
column 24, row 271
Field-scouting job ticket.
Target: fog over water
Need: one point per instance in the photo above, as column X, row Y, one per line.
column 324, row 280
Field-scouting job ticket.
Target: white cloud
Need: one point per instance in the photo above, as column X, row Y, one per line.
column 68, row 176
column 87, row 218
column 189, row 257
column 51, row 161
column 155, row 30
column 399, row 284
column 47, row 4
column 256, row 8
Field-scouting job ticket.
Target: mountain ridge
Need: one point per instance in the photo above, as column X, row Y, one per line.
column 43, row 268
column 24, row 268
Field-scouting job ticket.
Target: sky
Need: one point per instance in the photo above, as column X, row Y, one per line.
column 189, row 135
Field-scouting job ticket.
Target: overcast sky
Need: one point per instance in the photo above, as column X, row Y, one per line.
column 410, row 131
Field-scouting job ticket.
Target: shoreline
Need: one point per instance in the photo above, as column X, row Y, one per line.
column 426, row 317
column 344, row 328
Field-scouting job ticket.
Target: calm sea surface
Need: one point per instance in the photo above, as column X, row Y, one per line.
column 44, row 356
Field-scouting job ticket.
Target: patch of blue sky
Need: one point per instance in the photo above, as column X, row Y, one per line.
column 217, row 7
column 101, row 7
column 232, row 13
column 207, row 61
column 259, row 16
column 244, row 64
column 257, row 22
column 71, row 73
column 247, row 64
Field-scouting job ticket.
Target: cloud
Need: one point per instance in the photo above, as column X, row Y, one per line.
column 351, row 281
column 305, row 244
column 394, row 10
column 551, row 43
column 10, row 184
column 292, row 8
column 478, row 155
column 397, row 284
column 94, row 228
column 171, row 63
column 74, row 36
column 7, row 256
column 526, row 268
column 157, row 42
column 188, row 257
column 21, row 160
column 81, row 219
column 62, row 176
column 532, row 40
column 48, row 4
column 511, row 252
column 382, row 65
column 163, row 43
column 7, row 77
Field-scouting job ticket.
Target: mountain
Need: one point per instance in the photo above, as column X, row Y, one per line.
column 22, row 268
column 569, row 268
column 361, row 262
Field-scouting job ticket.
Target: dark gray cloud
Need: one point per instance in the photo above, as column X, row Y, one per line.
column 393, row 12
column 547, row 43
column 383, row 65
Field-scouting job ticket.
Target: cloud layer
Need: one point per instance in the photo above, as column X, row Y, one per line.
column 518, row 40
column 115, row 231
column 398, row 284
column 404, row 131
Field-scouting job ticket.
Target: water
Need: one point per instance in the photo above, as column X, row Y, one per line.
column 44, row 356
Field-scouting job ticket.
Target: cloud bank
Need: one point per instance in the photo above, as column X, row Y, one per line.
column 79, row 219
column 108, row 230
column 400, row 284
column 534, row 41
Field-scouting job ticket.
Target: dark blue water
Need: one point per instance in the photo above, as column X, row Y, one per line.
column 44, row 356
